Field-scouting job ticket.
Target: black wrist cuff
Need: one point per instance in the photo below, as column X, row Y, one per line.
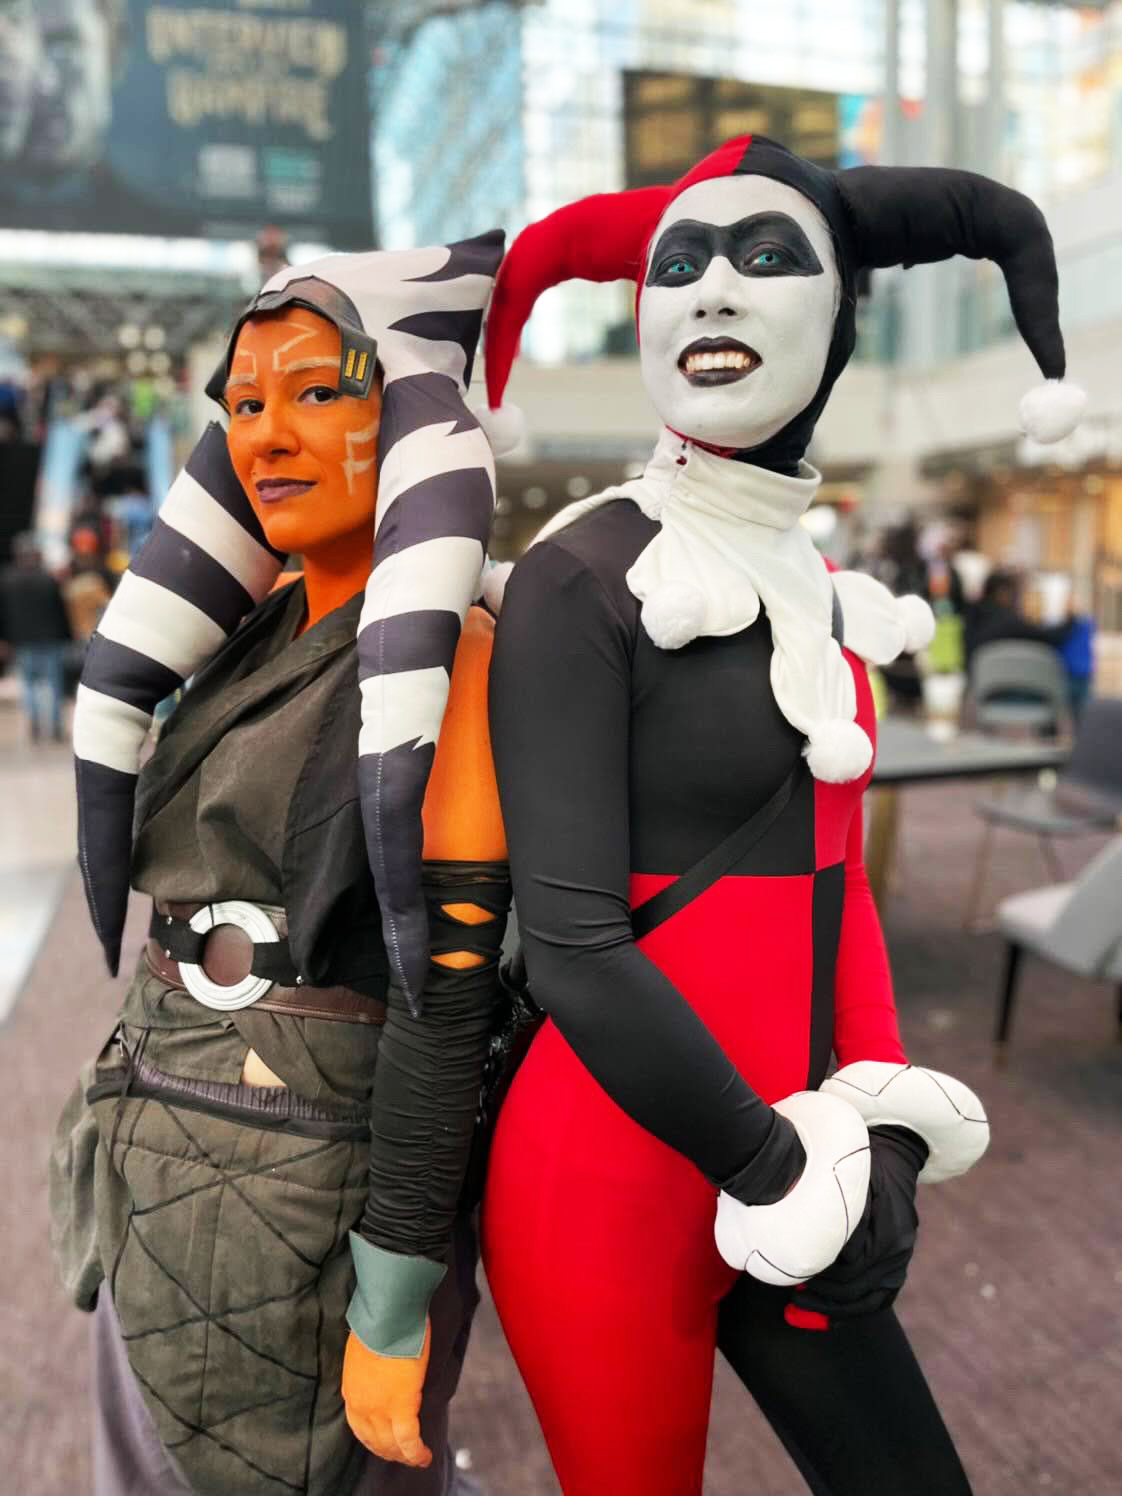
column 908, row 1146
column 772, row 1169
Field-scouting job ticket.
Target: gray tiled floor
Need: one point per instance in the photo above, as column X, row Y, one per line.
column 1014, row 1302
column 37, row 842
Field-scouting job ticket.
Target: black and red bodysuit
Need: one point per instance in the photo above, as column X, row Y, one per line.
column 620, row 765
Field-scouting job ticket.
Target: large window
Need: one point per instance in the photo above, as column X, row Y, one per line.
column 499, row 113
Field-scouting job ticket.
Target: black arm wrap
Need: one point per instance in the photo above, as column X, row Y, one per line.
column 427, row 1081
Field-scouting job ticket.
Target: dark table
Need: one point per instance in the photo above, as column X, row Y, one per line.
column 907, row 754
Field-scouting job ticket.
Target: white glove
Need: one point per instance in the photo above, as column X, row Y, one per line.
column 946, row 1114
column 800, row 1235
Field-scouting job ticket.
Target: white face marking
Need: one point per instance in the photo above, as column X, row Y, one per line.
column 299, row 364
column 786, row 320
column 355, row 465
column 246, row 376
column 279, row 366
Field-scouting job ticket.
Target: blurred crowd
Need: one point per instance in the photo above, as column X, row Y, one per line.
column 116, row 409
column 976, row 603
column 48, row 617
column 51, row 599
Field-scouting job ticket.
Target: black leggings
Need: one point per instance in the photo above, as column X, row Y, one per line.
column 850, row 1404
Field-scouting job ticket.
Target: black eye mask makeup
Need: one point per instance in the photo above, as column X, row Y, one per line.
column 763, row 244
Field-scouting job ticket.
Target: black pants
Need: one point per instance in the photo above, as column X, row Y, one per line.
column 850, row 1404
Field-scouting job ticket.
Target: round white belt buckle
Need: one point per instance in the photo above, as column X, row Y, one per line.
column 258, row 926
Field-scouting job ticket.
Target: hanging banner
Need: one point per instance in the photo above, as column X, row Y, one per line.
column 208, row 117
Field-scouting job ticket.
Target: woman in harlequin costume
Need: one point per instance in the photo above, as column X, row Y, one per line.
column 677, row 672
column 282, row 1120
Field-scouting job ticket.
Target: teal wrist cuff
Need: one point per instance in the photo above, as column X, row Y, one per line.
column 391, row 1300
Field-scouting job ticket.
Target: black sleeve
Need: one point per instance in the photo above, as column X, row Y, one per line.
column 429, row 1071
column 560, row 713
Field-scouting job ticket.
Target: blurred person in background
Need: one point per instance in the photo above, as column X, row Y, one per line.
column 87, row 587
column 871, row 556
column 34, row 625
column 999, row 614
column 935, row 577
column 132, row 514
column 939, row 582
column 892, row 556
column 47, row 395
column 11, row 411
column 272, row 251
column 1078, row 649
column 110, row 442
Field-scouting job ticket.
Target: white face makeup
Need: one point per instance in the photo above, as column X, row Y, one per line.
column 737, row 309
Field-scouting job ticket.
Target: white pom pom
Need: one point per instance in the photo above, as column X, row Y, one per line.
column 504, row 428
column 839, row 751
column 674, row 614
column 918, row 620
column 1052, row 410
column 495, row 576
column 799, row 1235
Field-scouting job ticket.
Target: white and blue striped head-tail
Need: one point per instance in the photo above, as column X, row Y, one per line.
column 418, row 313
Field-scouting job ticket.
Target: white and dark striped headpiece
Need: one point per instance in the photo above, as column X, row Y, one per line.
column 419, row 314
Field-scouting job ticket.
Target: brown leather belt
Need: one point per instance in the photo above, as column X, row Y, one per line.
column 226, row 957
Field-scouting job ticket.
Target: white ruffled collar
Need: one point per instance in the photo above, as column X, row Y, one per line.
column 719, row 486
column 728, row 541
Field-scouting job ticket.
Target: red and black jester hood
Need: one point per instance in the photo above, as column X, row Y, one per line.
column 877, row 216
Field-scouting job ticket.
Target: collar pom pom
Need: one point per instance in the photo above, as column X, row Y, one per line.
column 674, row 614
column 839, row 751
column 495, row 577
column 1052, row 410
column 504, row 428
column 918, row 621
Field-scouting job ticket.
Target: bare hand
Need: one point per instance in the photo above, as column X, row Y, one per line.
column 382, row 1395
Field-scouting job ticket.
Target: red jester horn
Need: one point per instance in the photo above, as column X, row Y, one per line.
column 601, row 238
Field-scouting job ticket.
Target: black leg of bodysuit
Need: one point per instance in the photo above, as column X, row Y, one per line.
column 850, row 1405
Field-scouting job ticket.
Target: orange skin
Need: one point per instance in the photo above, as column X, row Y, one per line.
column 288, row 421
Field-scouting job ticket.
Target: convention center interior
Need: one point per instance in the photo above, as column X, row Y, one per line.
column 561, row 747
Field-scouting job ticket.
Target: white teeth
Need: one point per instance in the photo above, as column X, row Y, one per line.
column 731, row 359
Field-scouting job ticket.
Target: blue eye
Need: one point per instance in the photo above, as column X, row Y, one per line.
column 679, row 265
column 767, row 259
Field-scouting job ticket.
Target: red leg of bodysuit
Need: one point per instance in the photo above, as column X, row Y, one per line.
column 598, row 1243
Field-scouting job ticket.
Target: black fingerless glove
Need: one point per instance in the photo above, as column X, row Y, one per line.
column 430, row 1067
column 873, row 1264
